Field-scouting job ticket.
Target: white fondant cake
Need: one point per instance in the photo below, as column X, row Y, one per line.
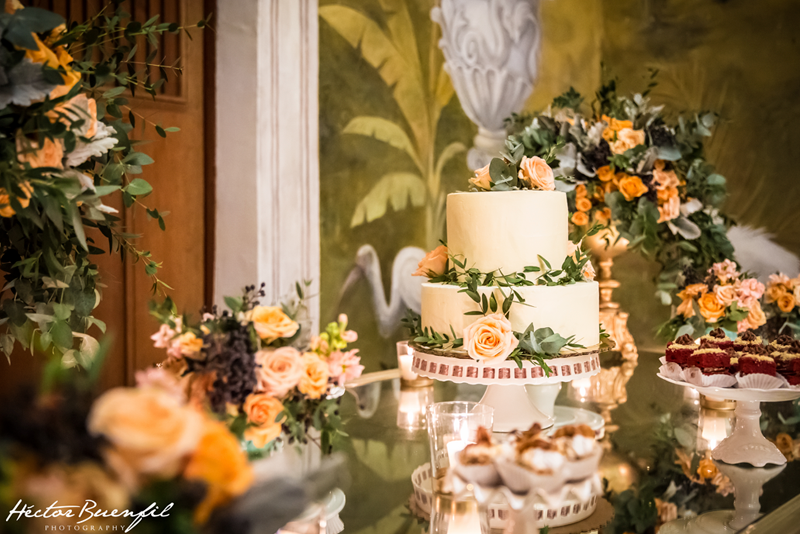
column 568, row 310
column 507, row 230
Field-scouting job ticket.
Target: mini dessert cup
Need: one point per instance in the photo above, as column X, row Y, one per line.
column 696, row 377
column 760, row 381
column 520, row 479
column 483, row 475
column 672, row 371
column 585, row 467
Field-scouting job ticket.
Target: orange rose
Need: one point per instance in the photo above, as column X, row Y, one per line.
column 55, row 59
column 756, row 317
column 666, row 194
column 693, row 290
column 583, row 204
column 599, row 194
column 580, row 190
column 5, row 201
column 580, row 218
column 150, row 431
column 536, row 174
column 279, row 370
column 482, row 179
column 685, row 308
column 314, row 382
column 711, row 308
column 632, row 187
column 664, row 179
column 616, row 124
column 263, row 410
column 706, row 469
column 79, row 108
column 490, row 338
column 271, row 323
column 220, row 463
column 605, row 174
column 189, row 343
column 433, row 264
column 627, row 138
column 48, row 156
column 603, row 216
column 786, row 302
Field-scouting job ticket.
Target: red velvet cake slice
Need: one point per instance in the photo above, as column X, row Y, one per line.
column 782, row 343
column 784, row 362
column 710, row 360
column 756, row 363
column 794, row 374
column 678, row 351
column 717, row 338
column 747, row 340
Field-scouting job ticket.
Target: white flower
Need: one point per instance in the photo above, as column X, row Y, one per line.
column 101, row 143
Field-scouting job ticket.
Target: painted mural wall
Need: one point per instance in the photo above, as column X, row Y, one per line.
column 393, row 135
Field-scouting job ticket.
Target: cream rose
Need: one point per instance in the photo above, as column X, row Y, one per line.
column 433, row 264
column 490, row 339
column 536, row 173
column 725, row 294
column 482, row 179
column 280, row 370
column 149, row 430
column 627, row 138
column 314, row 382
column 271, row 323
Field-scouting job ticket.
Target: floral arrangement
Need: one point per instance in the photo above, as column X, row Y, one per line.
column 66, row 149
column 782, row 303
column 624, row 164
column 725, row 298
column 250, row 366
column 142, row 452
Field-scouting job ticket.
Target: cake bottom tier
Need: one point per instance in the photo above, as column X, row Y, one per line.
column 569, row 310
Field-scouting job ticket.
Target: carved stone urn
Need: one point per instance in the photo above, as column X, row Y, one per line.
column 491, row 51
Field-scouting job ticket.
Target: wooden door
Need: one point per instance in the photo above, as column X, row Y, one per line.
column 179, row 181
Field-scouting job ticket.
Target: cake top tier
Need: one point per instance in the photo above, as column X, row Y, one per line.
column 507, row 230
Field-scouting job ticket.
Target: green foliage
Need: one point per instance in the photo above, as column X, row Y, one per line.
column 50, row 205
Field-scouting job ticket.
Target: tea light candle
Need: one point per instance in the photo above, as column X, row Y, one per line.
column 405, row 358
column 453, row 448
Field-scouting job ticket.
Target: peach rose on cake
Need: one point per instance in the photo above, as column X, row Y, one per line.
column 149, row 431
column 433, row 264
column 490, row 339
column 271, row 323
column 588, row 271
column 5, row 199
column 263, row 410
column 279, row 370
column 632, row 187
column 482, row 178
column 222, row 465
column 536, row 173
column 711, row 308
column 314, row 381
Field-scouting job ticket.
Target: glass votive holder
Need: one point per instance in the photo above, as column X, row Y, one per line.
column 405, row 360
column 451, row 427
column 450, row 515
column 413, row 406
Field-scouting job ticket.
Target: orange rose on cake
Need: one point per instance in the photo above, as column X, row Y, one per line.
column 536, row 174
column 711, row 308
column 433, row 264
column 271, row 323
column 280, row 370
column 482, row 179
column 490, row 339
column 262, row 410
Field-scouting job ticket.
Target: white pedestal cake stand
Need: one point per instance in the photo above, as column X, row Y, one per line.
column 506, row 381
column 746, row 444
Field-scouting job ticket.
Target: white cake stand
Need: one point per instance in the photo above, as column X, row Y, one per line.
column 746, row 444
column 506, row 382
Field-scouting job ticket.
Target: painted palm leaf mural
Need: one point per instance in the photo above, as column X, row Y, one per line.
column 420, row 94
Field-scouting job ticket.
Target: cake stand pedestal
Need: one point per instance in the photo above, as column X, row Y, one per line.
column 506, row 381
column 746, row 444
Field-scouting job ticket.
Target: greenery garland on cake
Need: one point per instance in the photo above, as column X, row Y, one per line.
column 65, row 148
column 622, row 161
column 255, row 367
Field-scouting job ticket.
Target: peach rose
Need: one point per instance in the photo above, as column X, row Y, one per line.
column 50, row 155
column 263, row 410
column 755, row 318
column 588, row 271
column 5, row 200
column 693, row 290
column 482, row 179
column 189, row 343
column 632, row 187
column 616, row 124
column 490, row 339
column 583, row 204
column 664, row 179
column 603, row 216
column 80, row 107
column 725, row 294
column 711, row 308
column 786, row 302
column 797, row 295
column 580, row 218
column 749, row 291
column 271, row 323
column 773, row 293
column 280, row 370
column 536, row 174
column 627, row 138
column 669, row 210
column 150, row 431
column 605, row 174
column 685, row 308
column 433, row 264
column 222, row 465
column 314, row 382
